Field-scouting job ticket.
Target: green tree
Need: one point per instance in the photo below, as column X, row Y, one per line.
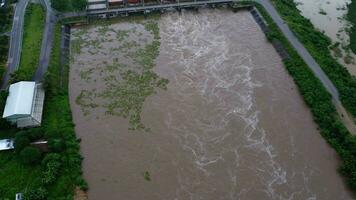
column 30, row 155
column 79, row 4
column 21, row 141
column 60, row 5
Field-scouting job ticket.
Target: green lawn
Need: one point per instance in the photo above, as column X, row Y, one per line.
column 32, row 40
column 352, row 18
column 16, row 177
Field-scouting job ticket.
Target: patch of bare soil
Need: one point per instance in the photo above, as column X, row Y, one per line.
column 80, row 194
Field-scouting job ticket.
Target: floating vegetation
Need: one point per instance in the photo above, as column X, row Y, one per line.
column 85, row 74
column 128, row 79
column 85, row 100
column 152, row 27
column 147, row 176
column 122, row 34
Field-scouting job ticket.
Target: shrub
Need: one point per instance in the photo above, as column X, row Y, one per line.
column 56, row 145
column 35, row 133
column 21, row 141
column 36, row 194
column 351, row 16
column 30, row 155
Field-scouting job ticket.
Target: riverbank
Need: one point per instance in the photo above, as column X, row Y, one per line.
column 330, row 18
column 316, row 96
column 318, row 46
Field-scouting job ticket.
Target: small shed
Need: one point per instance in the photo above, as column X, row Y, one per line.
column 24, row 105
column 6, row 144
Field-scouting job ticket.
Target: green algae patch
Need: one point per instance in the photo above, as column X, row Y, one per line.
column 120, row 84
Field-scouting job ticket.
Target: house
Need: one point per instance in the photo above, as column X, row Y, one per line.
column 24, row 105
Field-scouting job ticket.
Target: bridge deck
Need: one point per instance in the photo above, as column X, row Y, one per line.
column 150, row 7
column 144, row 7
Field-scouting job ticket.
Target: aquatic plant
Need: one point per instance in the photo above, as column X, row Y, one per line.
column 127, row 86
column 147, row 176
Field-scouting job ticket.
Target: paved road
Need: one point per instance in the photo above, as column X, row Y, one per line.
column 14, row 55
column 47, row 41
column 302, row 51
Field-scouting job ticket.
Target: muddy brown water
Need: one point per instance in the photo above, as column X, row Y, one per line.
column 231, row 124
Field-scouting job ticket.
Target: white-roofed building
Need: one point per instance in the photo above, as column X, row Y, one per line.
column 24, row 105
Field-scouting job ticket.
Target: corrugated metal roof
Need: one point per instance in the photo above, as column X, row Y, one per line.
column 96, row 6
column 20, row 99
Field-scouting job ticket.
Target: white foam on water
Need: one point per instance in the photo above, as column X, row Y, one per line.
column 223, row 78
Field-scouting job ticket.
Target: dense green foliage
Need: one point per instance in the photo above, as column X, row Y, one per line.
column 4, row 47
column 351, row 16
column 6, row 13
column 63, row 166
column 31, row 44
column 5, row 18
column 320, row 103
column 30, row 155
column 69, row 5
column 318, row 46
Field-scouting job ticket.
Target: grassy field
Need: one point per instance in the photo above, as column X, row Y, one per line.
column 32, row 40
column 351, row 16
column 15, row 176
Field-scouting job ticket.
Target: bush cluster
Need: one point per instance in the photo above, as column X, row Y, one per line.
column 351, row 16
column 5, row 26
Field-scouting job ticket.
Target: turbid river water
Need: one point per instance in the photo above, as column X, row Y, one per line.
column 231, row 124
column 329, row 16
